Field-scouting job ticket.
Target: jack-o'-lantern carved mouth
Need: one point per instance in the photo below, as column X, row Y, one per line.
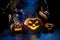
column 17, row 29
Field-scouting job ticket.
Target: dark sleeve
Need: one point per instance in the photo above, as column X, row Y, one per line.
column 43, row 10
column 44, row 5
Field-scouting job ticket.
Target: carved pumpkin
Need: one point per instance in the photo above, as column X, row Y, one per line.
column 49, row 26
column 16, row 27
column 33, row 24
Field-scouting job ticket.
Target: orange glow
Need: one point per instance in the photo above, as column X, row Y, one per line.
column 18, row 29
column 30, row 22
column 46, row 25
column 36, row 22
column 50, row 29
column 43, row 15
column 33, row 28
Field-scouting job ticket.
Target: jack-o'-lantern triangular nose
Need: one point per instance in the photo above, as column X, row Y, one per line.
column 33, row 25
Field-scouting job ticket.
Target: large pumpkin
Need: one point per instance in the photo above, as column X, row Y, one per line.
column 33, row 24
column 49, row 26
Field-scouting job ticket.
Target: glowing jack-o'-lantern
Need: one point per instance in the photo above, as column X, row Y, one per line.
column 49, row 26
column 17, row 24
column 16, row 27
column 33, row 23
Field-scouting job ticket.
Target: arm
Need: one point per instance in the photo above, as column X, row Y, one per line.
column 44, row 9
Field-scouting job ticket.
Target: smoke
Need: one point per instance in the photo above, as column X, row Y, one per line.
column 30, row 7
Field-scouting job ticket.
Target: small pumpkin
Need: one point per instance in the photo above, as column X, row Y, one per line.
column 49, row 26
column 33, row 24
column 16, row 27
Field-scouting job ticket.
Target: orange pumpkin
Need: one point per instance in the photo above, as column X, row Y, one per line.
column 33, row 24
column 16, row 27
column 49, row 26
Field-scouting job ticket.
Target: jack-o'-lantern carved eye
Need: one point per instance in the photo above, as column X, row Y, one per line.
column 36, row 22
column 30, row 22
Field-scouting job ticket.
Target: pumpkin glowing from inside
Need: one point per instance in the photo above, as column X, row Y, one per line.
column 33, row 23
column 49, row 26
column 16, row 27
